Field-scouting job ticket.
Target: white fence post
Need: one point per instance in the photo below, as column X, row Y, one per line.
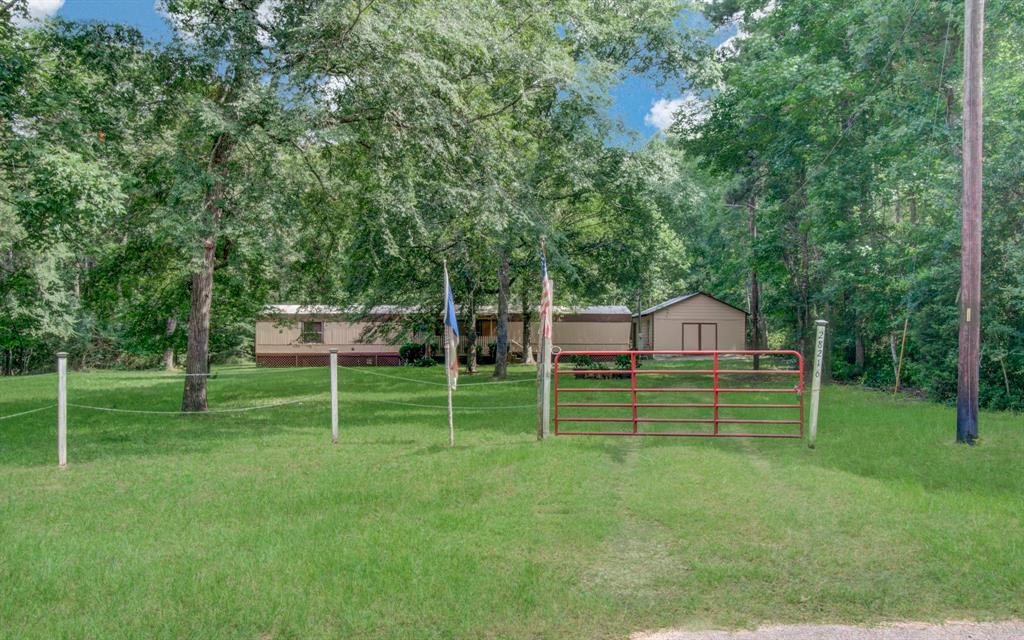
column 62, row 409
column 334, row 396
column 819, row 349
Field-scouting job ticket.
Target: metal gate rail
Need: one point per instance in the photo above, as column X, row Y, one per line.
column 716, row 389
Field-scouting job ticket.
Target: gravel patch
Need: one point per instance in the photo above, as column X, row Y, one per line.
column 1011, row 630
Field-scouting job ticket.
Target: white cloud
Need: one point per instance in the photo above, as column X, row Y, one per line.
column 40, row 10
column 331, row 87
column 728, row 47
column 266, row 15
column 664, row 111
column 185, row 24
column 762, row 12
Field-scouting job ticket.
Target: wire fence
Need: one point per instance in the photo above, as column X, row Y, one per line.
column 25, row 413
column 185, row 413
column 360, row 396
column 454, row 408
column 254, row 372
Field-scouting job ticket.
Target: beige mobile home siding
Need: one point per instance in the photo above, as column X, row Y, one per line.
column 281, row 337
column 277, row 338
column 575, row 335
column 667, row 325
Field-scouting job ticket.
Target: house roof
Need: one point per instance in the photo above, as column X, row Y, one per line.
column 596, row 310
column 387, row 309
column 324, row 310
column 683, row 298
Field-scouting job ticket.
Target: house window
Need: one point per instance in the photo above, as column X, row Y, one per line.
column 312, row 333
column 486, row 327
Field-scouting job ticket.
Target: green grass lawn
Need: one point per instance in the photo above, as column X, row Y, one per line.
column 252, row 525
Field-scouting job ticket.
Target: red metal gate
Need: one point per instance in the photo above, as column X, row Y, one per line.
column 718, row 425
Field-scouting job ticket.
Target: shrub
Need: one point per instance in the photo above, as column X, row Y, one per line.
column 583, row 362
column 492, row 349
column 424, row 362
column 411, row 352
column 622, row 361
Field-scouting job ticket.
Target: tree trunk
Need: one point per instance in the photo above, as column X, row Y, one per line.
column 197, row 353
column 1006, row 378
column 471, row 364
column 7, row 362
column 826, row 349
column 755, row 301
column 197, row 367
column 892, row 353
column 501, row 350
column 805, row 323
column 172, row 324
column 858, row 352
column 527, row 312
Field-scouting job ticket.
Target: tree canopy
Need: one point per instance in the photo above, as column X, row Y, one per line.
column 156, row 196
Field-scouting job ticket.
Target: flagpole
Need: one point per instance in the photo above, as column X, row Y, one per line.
column 451, row 424
column 447, row 360
column 546, row 388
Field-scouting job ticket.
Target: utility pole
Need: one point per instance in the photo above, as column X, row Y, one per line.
column 970, row 239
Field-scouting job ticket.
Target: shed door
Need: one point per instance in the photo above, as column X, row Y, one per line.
column 708, row 336
column 691, row 336
column 700, row 336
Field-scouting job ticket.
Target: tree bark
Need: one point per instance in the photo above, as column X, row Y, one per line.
column 197, row 367
column 755, row 301
column 805, row 324
column 858, row 352
column 501, row 349
column 527, row 312
column 471, row 364
column 893, row 355
column 197, row 354
column 172, row 324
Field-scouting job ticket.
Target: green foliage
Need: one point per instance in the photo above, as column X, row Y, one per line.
column 411, row 352
column 582, row 362
column 837, row 125
column 623, row 361
column 424, row 361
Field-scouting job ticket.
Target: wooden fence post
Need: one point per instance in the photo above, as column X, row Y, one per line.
column 334, row 396
column 819, row 352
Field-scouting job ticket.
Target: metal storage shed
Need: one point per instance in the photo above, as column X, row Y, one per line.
column 693, row 322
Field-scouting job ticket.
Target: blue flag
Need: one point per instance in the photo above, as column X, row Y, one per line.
column 451, row 333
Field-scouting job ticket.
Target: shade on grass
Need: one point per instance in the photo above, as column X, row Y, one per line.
column 252, row 525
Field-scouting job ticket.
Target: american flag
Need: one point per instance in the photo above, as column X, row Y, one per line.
column 451, row 334
column 546, row 297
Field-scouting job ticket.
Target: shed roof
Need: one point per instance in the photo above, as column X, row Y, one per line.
column 683, row 298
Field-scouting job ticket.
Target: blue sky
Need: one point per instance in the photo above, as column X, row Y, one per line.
column 637, row 102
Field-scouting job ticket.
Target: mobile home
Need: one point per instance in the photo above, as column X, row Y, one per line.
column 296, row 335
